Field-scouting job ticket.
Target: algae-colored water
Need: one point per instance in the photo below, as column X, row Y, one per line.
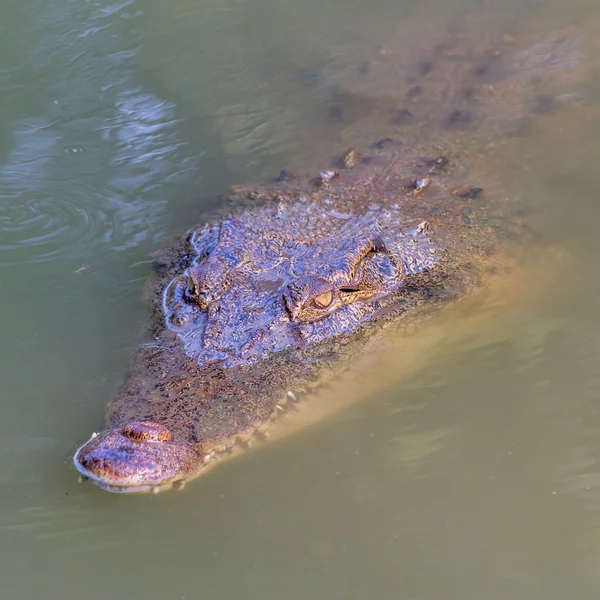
column 466, row 468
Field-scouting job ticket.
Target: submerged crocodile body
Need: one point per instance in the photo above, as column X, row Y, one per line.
column 257, row 307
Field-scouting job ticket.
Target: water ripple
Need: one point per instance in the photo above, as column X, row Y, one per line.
column 60, row 199
column 42, row 217
column 89, row 167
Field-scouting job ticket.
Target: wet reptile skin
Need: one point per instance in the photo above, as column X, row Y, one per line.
column 281, row 295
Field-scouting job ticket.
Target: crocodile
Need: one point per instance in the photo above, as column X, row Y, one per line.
column 253, row 310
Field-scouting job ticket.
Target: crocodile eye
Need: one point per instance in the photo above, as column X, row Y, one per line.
column 323, row 300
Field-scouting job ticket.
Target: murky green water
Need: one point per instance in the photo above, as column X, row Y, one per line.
column 472, row 475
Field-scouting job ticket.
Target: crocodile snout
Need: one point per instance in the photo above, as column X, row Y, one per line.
column 140, row 456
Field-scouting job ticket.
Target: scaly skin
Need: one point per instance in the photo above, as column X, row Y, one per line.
column 265, row 304
column 236, row 322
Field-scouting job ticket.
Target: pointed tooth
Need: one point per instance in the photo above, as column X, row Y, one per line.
column 292, row 396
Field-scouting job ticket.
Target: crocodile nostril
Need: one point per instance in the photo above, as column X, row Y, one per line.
column 146, row 430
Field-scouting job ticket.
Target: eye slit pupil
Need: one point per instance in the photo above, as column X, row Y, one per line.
column 348, row 290
column 323, row 300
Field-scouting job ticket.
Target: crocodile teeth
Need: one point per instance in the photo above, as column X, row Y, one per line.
column 292, row 396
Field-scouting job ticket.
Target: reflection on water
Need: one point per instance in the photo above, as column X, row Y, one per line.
column 469, row 468
column 45, row 209
column 89, row 149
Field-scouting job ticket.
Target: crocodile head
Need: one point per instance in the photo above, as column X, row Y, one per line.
column 274, row 299
column 282, row 278
column 299, row 274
